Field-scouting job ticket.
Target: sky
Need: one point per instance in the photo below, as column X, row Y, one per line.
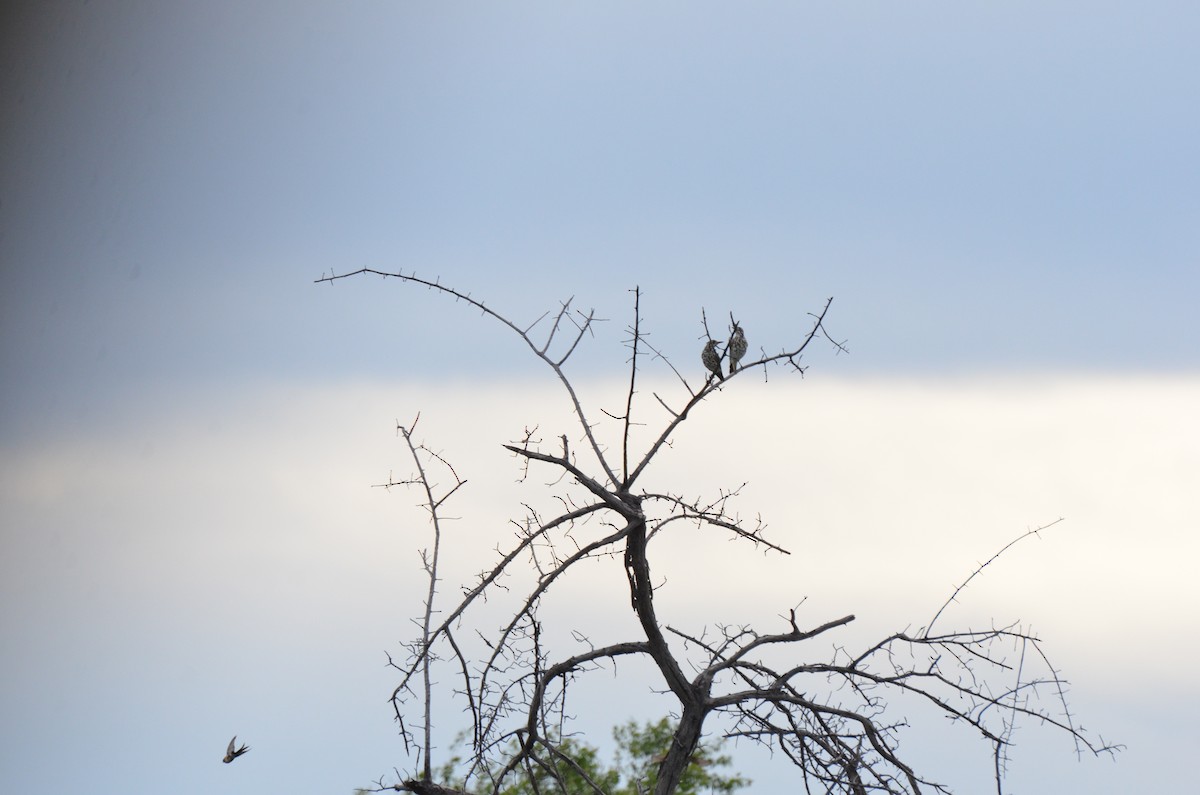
column 1001, row 199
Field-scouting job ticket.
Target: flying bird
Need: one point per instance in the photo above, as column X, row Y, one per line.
column 712, row 359
column 737, row 347
column 232, row 754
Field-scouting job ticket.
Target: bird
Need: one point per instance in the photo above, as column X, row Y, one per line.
column 712, row 359
column 231, row 754
column 737, row 347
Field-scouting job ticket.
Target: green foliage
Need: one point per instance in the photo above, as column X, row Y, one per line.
column 547, row 779
column 640, row 749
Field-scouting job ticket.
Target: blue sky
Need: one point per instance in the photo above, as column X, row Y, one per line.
column 1002, row 195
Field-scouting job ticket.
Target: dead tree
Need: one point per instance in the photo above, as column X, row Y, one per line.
column 829, row 717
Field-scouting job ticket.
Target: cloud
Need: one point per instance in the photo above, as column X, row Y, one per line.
column 235, row 536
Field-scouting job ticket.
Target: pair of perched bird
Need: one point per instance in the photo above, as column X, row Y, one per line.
column 736, row 350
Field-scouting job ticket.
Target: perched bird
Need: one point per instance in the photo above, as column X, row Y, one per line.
column 737, row 347
column 231, row 754
column 712, row 359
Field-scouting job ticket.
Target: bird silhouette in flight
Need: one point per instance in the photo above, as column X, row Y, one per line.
column 232, row 754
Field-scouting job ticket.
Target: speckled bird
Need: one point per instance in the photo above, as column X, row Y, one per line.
column 712, row 359
column 231, row 754
column 737, row 347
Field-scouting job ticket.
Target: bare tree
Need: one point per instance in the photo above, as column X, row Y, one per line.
column 830, row 717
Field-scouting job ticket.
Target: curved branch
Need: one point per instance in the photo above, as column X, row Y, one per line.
column 983, row 566
column 706, row 515
column 541, row 353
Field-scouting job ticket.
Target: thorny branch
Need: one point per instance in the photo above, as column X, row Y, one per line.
column 828, row 714
column 954, row 596
column 791, row 357
column 433, row 504
column 583, row 324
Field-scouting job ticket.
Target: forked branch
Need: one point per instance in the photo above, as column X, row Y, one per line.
column 826, row 712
